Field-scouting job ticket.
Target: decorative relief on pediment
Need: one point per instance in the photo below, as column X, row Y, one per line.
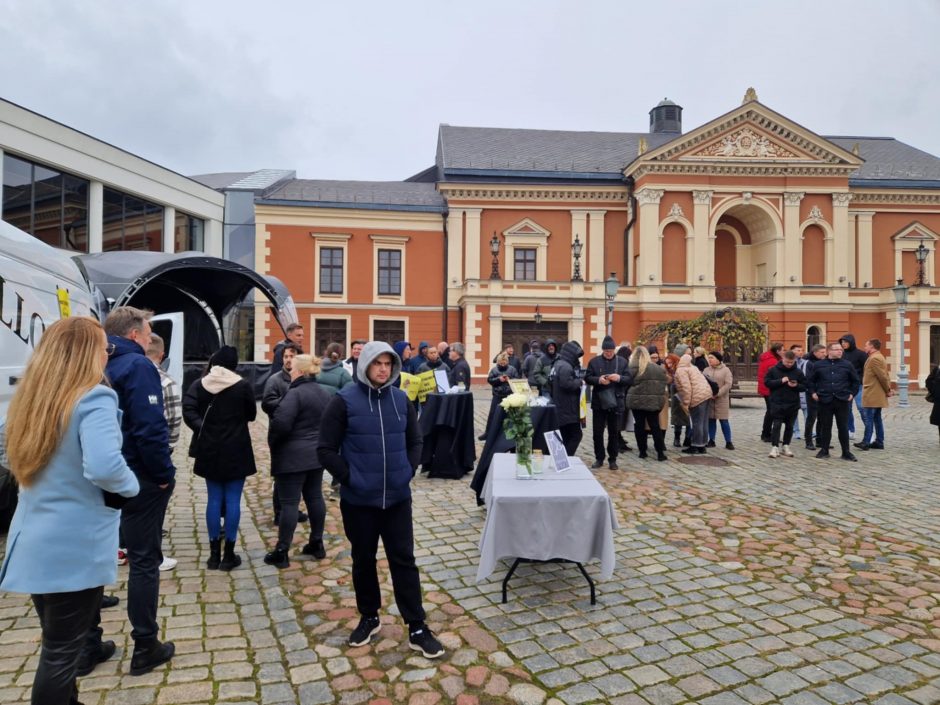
column 746, row 143
column 815, row 213
column 676, row 211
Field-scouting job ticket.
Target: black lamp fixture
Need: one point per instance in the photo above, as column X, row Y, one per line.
column 538, row 315
column 576, row 248
column 921, row 254
column 494, row 249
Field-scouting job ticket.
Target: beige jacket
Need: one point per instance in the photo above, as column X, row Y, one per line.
column 691, row 385
column 875, row 382
column 721, row 404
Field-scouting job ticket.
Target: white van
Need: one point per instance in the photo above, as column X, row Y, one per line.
column 200, row 302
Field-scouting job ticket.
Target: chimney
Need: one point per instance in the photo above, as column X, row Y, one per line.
column 666, row 117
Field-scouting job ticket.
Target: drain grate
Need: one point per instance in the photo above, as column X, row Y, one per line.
column 710, row 460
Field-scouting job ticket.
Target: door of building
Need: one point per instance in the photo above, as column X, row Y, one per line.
column 329, row 330
column 743, row 363
column 521, row 333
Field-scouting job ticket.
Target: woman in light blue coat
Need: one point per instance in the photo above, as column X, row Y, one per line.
column 62, row 439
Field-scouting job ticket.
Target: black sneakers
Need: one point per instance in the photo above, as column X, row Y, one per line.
column 89, row 659
column 147, row 658
column 423, row 640
column 362, row 635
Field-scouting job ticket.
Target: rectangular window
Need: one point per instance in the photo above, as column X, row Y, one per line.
column 389, row 272
column 524, row 260
column 48, row 204
column 329, row 330
column 388, row 331
column 188, row 233
column 130, row 223
column 331, row 270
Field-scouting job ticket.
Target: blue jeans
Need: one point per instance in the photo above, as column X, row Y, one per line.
column 872, row 418
column 229, row 495
column 713, row 429
column 861, row 410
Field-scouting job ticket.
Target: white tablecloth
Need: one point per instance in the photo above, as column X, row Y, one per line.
column 560, row 515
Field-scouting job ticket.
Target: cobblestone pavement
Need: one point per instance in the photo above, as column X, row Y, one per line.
column 794, row 581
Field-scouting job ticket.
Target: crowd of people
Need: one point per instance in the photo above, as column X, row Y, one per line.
column 103, row 475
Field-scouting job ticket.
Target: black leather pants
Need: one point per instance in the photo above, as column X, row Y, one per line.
column 65, row 618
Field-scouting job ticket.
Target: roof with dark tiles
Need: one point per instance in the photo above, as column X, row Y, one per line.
column 350, row 194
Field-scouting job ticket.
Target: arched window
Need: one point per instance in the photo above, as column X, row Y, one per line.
column 813, row 337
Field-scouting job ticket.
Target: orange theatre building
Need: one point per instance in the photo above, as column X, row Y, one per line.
column 514, row 234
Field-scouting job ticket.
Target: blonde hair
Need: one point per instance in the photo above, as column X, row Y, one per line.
column 502, row 359
column 699, row 350
column 309, row 365
column 65, row 365
column 640, row 358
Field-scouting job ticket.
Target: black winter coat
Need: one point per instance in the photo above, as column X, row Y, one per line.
column 601, row 366
column 294, row 430
column 501, row 390
column 784, row 399
column 857, row 358
column 832, row 379
column 932, row 383
column 460, row 373
column 566, row 384
column 221, row 443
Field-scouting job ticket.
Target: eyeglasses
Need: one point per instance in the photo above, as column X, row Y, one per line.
column 110, row 348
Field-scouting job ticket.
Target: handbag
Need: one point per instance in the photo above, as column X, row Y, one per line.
column 714, row 385
column 606, row 398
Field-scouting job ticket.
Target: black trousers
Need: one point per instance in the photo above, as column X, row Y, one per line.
column 812, row 410
column 784, row 419
column 640, row 420
column 609, row 420
column 364, row 526
column 768, row 420
column 827, row 410
column 291, row 486
column 65, row 618
column 142, row 525
column 571, row 435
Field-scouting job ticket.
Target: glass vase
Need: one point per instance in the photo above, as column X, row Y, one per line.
column 524, row 458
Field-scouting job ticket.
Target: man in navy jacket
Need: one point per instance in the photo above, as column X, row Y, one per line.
column 832, row 383
column 147, row 451
column 370, row 443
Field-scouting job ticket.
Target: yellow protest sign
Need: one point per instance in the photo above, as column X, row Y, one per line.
column 65, row 306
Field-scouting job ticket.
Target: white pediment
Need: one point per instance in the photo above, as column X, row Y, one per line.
column 915, row 232
column 527, row 228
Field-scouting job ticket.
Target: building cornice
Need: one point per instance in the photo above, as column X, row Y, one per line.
column 928, row 198
column 743, row 169
column 501, row 192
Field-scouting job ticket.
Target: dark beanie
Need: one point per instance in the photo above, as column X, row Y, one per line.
column 717, row 355
column 226, row 357
column 652, row 350
column 608, row 343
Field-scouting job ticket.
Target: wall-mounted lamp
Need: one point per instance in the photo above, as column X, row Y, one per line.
column 701, row 277
column 538, row 315
column 494, row 250
column 841, row 279
column 652, row 277
column 865, row 285
column 792, row 277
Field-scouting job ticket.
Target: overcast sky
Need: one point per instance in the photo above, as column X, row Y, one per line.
column 357, row 90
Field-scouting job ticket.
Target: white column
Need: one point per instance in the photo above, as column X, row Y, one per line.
column 472, row 243
column 792, row 264
column 863, row 221
column 213, row 237
column 454, row 255
column 169, row 228
column 579, row 227
column 840, row 237
column 649, row 268
column 95, row 216
column 595, row 251
column 704, row 242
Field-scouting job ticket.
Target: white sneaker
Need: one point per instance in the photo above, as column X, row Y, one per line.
column 168, row 563
column 774, row 452
column 785, row 452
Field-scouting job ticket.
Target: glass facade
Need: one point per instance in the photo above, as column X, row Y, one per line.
column 189, row 233
column 49, row 204
column 130, row 223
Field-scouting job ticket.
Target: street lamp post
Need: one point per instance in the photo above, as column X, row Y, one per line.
column 900, row 297
column 610, row 289
column 538, row 315
column 494, row 249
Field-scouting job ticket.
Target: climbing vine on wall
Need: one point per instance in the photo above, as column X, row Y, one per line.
column 724, row 329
